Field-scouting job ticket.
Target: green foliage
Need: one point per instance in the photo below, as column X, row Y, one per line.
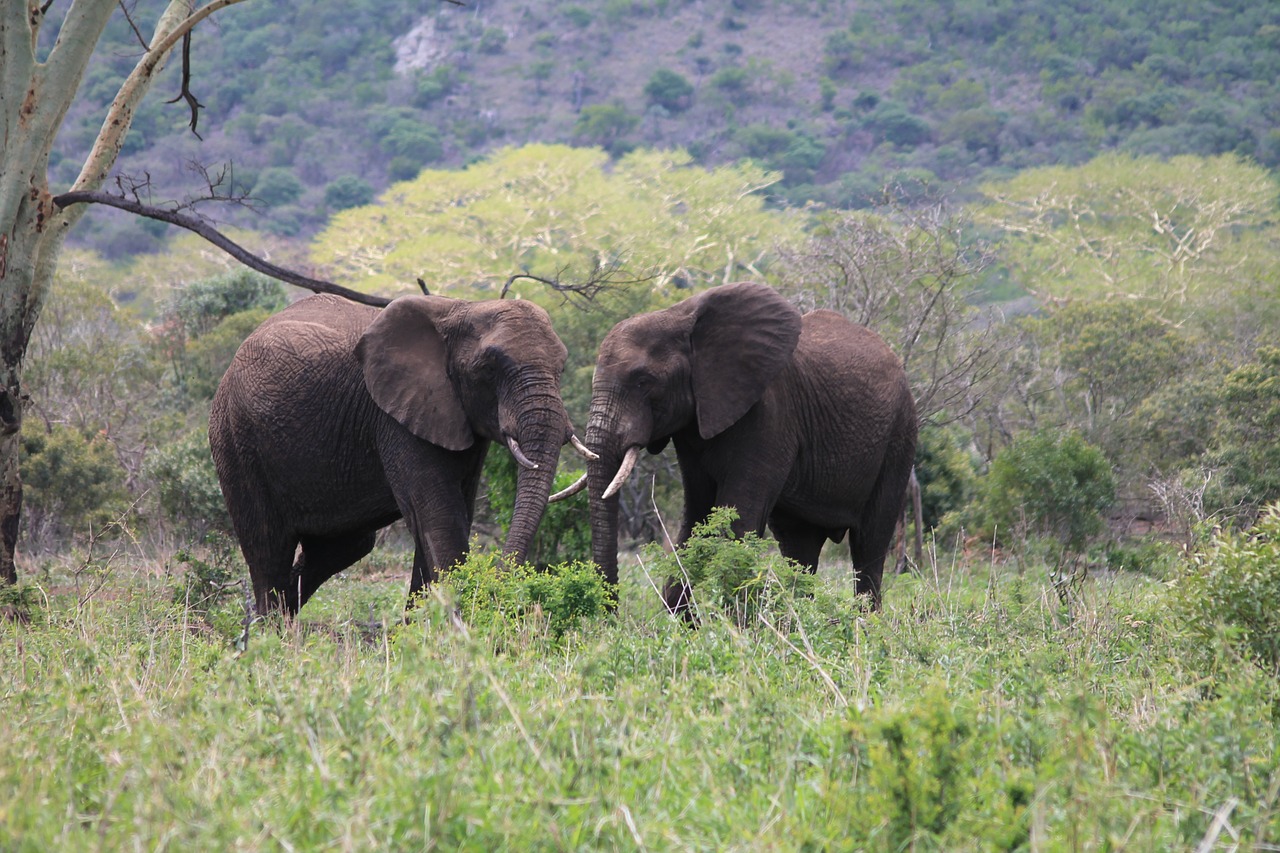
column 946, row 472
column 1231, row 587
column 1118, row 369
column 937, row 767
column 347, row 191
column 412, row 140
column 492, row 40
column 964, row 716
column 212, row 583
column 1246, row 444
column 203, row 304
column 669, row 90
column 277, row 186
column 1051, row 484
column 303, row 88
column 604, row 124
column 559, row 212
column 564, row 534
column 491, row 593
column 185, row 484
column 72, row 484
column 735, row 577
column 207, row 357
column 892, row 122
column 1181, row 236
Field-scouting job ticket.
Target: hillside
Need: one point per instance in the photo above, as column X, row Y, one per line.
column 320, row 105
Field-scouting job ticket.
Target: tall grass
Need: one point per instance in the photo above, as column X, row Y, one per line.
column 977, row 711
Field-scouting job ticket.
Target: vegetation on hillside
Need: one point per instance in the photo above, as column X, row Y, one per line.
column 320, row 106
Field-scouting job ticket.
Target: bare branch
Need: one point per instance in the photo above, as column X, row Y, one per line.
column 208, row 232
column 185, row 93
column 128, row 16
column 602, row 277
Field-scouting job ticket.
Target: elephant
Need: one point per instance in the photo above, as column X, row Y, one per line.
column 804, row 423
column 336, row 419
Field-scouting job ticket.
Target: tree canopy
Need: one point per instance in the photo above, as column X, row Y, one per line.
column 551, row 210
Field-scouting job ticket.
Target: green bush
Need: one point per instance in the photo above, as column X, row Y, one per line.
column 946, row 472
column 938, row 774
column 277, row 186
column 736, row 577
column 203, row 304
column 491, row 593
column 669, row 90
column 1232, row 586
column 348, row 191
column 1048, row 484
column 1246, row 443
column 186, row 485
column 207, row 357
column 71, row 482
column 564, row 534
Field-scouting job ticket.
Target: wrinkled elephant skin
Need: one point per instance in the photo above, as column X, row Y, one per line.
column 804, row 424
column 335, row 419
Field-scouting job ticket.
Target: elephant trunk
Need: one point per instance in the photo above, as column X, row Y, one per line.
column 536, row 429
column 605, row 439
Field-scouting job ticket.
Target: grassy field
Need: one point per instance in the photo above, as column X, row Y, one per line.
column 976, row 712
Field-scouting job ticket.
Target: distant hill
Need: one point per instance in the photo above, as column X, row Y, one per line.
column 319, row 105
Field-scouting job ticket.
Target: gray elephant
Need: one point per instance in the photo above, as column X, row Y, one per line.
column 335, row 419
column 804, row 423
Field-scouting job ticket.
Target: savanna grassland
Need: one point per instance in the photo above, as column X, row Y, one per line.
column 984, row 708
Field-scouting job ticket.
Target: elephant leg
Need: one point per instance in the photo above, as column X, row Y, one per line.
column 798, row 540
column 699, row 499
column 323, row 557
column 871, row 539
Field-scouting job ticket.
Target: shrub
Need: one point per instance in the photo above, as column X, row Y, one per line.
column 1233, row 586
column 212, row 585
column 1049, row 483
column 348, row 191
column 277, row 186
column 186, row 484
column 203, row 304
column 735, row 577
column 937, row 770
column 71, row 482
column 668, row 90
column 490, row 593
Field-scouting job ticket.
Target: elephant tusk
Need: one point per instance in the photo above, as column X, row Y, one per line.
column 624, row 471
column 519, row 454
column 583, row 449
column 569, row 491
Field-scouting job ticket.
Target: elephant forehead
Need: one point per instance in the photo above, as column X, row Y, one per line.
column 523, row 331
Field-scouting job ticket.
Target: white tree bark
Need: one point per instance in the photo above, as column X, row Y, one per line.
column 34, row 98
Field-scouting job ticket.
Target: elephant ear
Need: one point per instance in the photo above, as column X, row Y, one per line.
column 405, row 361
column 743, row 335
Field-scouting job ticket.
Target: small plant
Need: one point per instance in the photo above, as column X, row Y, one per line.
column 937, row 772
column 736, row 577
column 490, row 592
column 1233, row 586
column 212, row 581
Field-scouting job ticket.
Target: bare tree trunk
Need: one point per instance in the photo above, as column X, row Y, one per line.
column 34, row 99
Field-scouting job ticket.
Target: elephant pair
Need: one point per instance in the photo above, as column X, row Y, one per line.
column 335, row 419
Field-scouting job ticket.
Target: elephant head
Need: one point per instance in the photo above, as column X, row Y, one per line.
column 702, row 363
column 451, row 371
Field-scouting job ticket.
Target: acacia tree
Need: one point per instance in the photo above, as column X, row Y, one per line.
column 37, row 87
